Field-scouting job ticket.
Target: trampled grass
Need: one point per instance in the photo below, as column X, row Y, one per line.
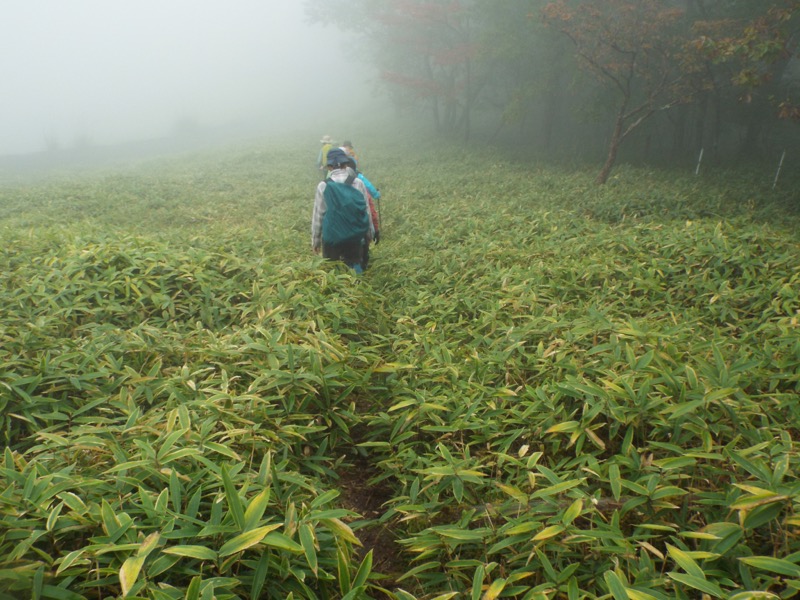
column 559, row 390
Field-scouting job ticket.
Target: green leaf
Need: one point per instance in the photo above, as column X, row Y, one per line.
column 756, row 500
column 354, row 593
column 222, row 449
column 306, row 532
column 323, row 499
column 460, row 534
column 190, row 551
column 615, row 585
column 495, row 589
column 52, row 518
column 245, row 540
column 761, row 515
column 260, row 575
column 168, row 442
column 512, row 491
column 279, row 540
column 110, row 521
column 615, row 481
column 634, row 594
column 255, row 508
column 343, row 569
column 234, row 501
column 58, row 593
column 755, row 469
column 675, row 462
column 557, row 488
column 392, row 367
column 193, row 591
column 523, row 527
column 566, row 426
column 666, row 492
column 477, row 582
column 548, row 532
column 149, row 544
column 364, row 569
column 73, row 502
column 685, row 562
column 572, row 512
column 129, row 572
column 342, row 530
column 67, row 561
column 774, row 565
column 38, row 580
column 698, row 583
column 333, row 513
column 547, row 565
column 175, row 491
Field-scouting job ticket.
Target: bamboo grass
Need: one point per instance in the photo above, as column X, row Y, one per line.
column 570, row 392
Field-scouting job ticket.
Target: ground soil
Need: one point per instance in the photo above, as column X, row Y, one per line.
column 368, row 500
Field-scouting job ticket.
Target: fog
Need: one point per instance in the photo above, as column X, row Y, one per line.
column 96, row 72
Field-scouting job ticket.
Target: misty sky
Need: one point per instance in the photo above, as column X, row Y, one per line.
column 118, row 70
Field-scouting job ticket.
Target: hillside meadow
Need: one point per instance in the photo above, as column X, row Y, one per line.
column 539, row 389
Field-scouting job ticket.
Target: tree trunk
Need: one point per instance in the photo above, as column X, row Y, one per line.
column 716, row 133
column 552, row 104
column 467, row 95
column 437, row 120
column 613, row 148
column 700, row 122
column 751, row 143
column 679, row 133
column 437, row 117
column 467, row 101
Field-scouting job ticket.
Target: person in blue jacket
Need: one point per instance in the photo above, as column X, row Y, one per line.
column 373, row 194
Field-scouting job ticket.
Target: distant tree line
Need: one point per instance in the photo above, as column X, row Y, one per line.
column 660, row 79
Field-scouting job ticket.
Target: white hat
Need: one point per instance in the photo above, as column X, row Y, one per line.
column 326, row 139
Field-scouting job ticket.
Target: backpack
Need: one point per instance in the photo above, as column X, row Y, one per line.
column 346, row 218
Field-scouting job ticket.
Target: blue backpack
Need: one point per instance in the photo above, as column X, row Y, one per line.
column 346, row 217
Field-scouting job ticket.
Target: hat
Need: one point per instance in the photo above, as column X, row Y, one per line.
column 337, row 157
column 326, row 139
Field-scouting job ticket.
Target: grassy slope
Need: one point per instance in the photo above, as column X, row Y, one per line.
column 562, row 387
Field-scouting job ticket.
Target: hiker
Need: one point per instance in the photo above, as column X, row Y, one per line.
column 322, row 157
column 341, row 220
column 373, row 194
column 347, row 146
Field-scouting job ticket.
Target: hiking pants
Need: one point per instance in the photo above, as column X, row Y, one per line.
column 365, row 254
column 347, row 252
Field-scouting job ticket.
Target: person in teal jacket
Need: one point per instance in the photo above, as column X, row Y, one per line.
column 373, row 193
column 348, row 251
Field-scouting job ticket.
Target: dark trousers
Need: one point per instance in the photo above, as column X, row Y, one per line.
column 365, row 254
column 347, row 252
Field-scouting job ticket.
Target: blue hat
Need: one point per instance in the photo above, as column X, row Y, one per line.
column 337, row 157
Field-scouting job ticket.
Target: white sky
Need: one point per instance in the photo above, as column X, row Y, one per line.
column 119, row 70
